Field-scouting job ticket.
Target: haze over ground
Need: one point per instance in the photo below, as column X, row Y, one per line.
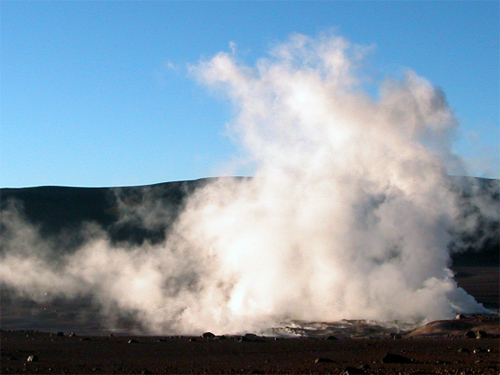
column 102, row 93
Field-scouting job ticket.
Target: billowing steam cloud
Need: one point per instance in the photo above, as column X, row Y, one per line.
column 347, row 217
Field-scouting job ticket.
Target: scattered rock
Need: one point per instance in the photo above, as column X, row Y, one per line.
column 323, row 360
column 32, row 358
column 481, row 350
column 353, row 370
column 395, row 358
column 470, row 334
column 477, row 334
column 208, row 335
column 443, row 362
column 250, row 337
column 481, row 334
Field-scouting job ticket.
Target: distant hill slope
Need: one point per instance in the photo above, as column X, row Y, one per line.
column 57, row 211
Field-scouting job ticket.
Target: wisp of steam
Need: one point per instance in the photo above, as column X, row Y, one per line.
column 347, row 216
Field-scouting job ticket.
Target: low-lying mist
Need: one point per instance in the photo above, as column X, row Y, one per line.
column 349, row 213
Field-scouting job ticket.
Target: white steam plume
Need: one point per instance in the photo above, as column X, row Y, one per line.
column 347, row 217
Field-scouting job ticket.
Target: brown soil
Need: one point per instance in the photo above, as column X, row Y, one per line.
column 163, row 355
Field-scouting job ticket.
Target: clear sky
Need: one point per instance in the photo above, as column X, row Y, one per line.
column 97, row 93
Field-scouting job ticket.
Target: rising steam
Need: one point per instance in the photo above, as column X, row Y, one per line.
column 347, row 216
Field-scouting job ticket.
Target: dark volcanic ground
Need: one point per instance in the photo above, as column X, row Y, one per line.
column 464, row 346
column 146, row 355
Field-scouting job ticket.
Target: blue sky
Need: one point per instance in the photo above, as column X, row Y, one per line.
column 97, row 93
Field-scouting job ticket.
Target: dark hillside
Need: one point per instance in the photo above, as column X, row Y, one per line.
column 55, row 208
column 480, row 204
column 58, row 211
